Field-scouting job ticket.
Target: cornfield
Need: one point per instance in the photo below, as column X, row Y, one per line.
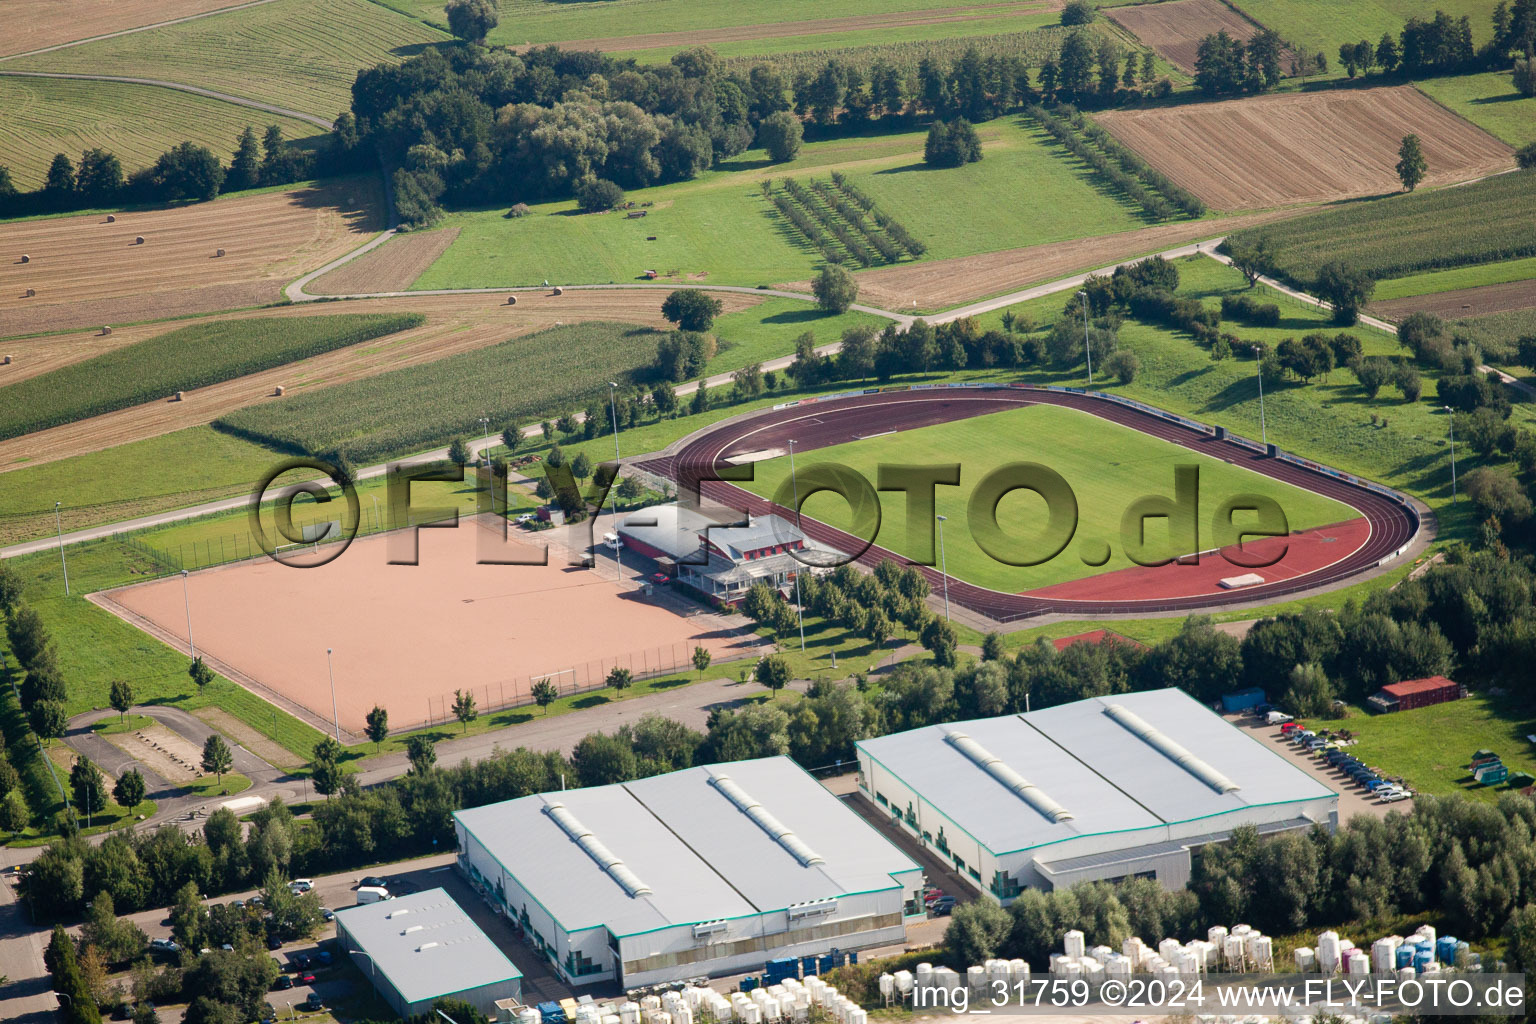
column 517, row 381
column 193, row 357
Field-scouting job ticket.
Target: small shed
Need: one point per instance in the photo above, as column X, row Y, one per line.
column 1415, row 693
column 1242, row 700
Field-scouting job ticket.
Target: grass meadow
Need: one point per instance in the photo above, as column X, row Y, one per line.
column 299, row 54
column 720, row 229
column 1474, row 276
column 1490, row 101
column 137, row 122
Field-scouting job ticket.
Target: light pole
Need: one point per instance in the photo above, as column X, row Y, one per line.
column 1258, row 358
column 618, row 548
column 795, row 483
column 1452, row 422
column 335, row 717
column 378, row 524
column 59, row 523
column 1087, row 342
column 944, row 564
column 187, row 602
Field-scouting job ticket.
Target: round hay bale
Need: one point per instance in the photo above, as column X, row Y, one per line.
column 138, row 239
column 558, row 291
column 111, row 219
column 106, row 331
column 25, row 258
column 31, row 292
column 217, row 253
column 5, row 360
column 511, row 300
column 277, row 392
column 177, row 397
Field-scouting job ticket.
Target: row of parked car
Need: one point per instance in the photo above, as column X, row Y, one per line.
column 938, row 903
column 1372, row 780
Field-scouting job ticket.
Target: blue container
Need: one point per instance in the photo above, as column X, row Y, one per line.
column 1421, row 959
column 551, row 1012
column 1405, row 955
column 1445, row 949
column 853, row 958
column 808, row 967
column 748, row 983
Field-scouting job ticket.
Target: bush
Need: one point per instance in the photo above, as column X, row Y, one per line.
column 1525, row 156
column 1246, row 309
column 1524, row 76
column 596, row 194
column 1123, row 365
column 781, row 134
column 835, row 289
column 951, row 144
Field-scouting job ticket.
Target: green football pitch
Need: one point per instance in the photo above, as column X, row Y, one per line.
column 1108, row 467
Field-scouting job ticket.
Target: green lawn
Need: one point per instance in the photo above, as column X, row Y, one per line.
column 1488, row 100
column 1459, row 277
column 769, row 329
column 1431, row 747
column 1108, row 466
column 720, row 229
column 299, row 54
column 137, row 122
column 1323, row 26
column 171, row 471
column 125, row 723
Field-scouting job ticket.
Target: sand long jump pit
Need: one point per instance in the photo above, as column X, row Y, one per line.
column 406, row 636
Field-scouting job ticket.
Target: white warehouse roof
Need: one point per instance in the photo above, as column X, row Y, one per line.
column 1106, row 764
column 702, row 844
column 426, row 945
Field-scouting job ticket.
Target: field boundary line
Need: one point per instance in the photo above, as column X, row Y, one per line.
column 195, row 90
column 131, row 31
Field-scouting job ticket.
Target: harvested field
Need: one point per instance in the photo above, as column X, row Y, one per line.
column 455, row 323
column 815, row 27
column 392, row 267
column 34, row 24
column 87, row 272
column 1175, row 29
column 1463, row 302
column 940, row 284
column 1314, row 147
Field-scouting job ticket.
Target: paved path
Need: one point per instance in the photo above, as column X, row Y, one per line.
column 131, row 31
column 179, row 87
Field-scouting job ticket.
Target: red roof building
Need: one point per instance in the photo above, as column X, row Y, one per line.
column 1416, row 693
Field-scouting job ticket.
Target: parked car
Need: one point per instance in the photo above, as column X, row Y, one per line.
column 372, row 894
column 273, row 942
column 164, row 946
column 327, row 913
column 1392, row 795
column 1277, row 718
column 660, row 578
column 306, row 978
column 313, row 1004
column 282, row 983
column 372, row 882
column 942, row 907
column 238, row 904
column 323, row 957
column 301, row 884
column 299, row 962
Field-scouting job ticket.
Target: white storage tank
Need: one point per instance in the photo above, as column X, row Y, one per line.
column 1216, row 935
column 629, row 1013
column 976, row 979
column 1263, row 955
column 924, row 977
column 529, row 1015
column 1132, row 948
column 1168, row 949
column 1427, row 931
column 1384, row 954
column 1241, row 929
column 904, row 981
column 1233, row 951
column 1072, row 943
column 1328, row 952
column 650, row 1002
column 1405, row 973
column 887, row 986
column 1100, row 953
column 1118, row 966
column 1356, row 962
column 749, row 1012
column 1306, row 960
column 1018, row 970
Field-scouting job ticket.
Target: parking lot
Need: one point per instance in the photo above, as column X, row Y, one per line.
column 1353, row 799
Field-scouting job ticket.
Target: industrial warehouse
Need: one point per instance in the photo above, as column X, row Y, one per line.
column 1099, row 789
column 701, row 872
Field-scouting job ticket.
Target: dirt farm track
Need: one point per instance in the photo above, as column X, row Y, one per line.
column 833, row 421
column 1313, row 147
column 88, row 272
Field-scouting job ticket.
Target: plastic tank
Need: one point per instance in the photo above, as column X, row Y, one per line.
column 904, row 982
column 1072, row 943
column 652, row 1002
column 1328, row 952
column 629, row 1013
column 1169, row 948
column 1445, row 949
column 1263, row 950
column 529, row 1015
column 976, row 978
column 1118, row 966
column 1306, row 959
column 1018, row 970
column 1241, row 929
column 1132, row 948
column 887, row 985
column 1357, row 963
column 1216, row 935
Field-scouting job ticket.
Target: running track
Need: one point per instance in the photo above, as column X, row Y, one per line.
column 826, row 423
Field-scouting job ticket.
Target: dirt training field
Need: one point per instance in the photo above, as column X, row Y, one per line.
column 1308, row 148
column 422, row 630
column 1175, row 29
column 818, row 26
column 939, row 284
column 455, row 323
column 392, row 267
column 1463, row 302
column 87, row 272
column 34, row 24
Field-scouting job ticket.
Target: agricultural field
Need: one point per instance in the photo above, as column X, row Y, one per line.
column 1071, row 442
column 1304, row 147
column 1484, row 300
column 1175, row 29
column 720, row 228
column 769, row 330
column 1488, row 100
column 389, row 268
column 181, row 360
column 137, row 122
column 87, row 272
column 1324, row 26
column 298, row 54
column 1031, row 38
column 1456, row 279
column 34, row 24
column 1407, row 234
column 393, row 413
column 1500, row 330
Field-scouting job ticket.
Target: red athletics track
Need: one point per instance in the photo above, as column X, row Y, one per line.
column 1390, row 524
column 1301, row 553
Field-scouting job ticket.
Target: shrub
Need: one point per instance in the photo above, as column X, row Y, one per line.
column 835, row 289
column 781, row 134
column 1250, row 311
column 597, row 194
column 1373, row 374
column 951, row 144
column 1123, row 365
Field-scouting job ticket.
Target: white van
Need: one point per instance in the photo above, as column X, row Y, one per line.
column 372, row 894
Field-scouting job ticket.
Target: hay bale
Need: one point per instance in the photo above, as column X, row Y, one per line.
column 5, row 360
column 106, row 331
column 558, row 291
column 177, row 397
column 138, row 239
column 217, row 253
column 25, row 258
column 511, row 300
column 31, row 292
column 111, row 219
column 277, row 392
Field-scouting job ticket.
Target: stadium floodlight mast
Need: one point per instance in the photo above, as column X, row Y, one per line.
column 618, row 546
column 335, row 716
column 1087, row 341
column 59, row 524
column 187, row 602
column 944, row 564
column 799, row 608
column 1258, row 357
column 1452, row 423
